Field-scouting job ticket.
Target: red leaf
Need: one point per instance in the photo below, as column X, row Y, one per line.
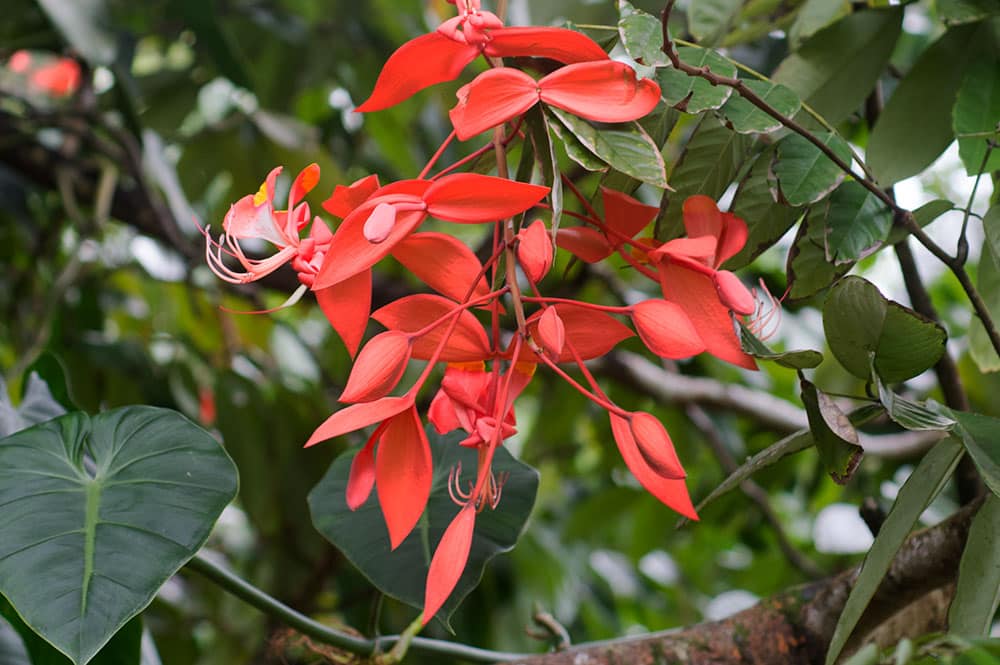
column 403, row 474
column 534, row 250
column 697, row 296
column 378, row 368
column 468, row 342
column 602, row 90
column 473, row 198
column 625, row 214
column 666, row 330
column 655, row 446
column 356, row 416
column 584, row 243
column 673, row 493
column 417, row 64
column 362, row 477
column 444, row 263
column 345, row 199
column 566, row 46
column 592, row 333
column 551, row 332
column 492, row 98
column 449, row 560
column 347, row 304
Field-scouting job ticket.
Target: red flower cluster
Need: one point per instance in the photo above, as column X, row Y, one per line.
column 485, row 370
column 45, row 73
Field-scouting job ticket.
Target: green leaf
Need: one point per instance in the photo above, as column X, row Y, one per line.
column 836, row 69
column 693, row 94
column 805, row 359
column 401, row 573
column 745, row 118
column 860, row 322
column 813, row 16
column 547, row 163
column 113, row 505
column 923, row 216
column 710, row 162
column 805, row 175
column 978, row 592
column 50, row 369
column 964, row 11
column 988, row 283
column 915, row 126
column 575, row 150
column 808, row 270
column 641, row 35
column 857, row 223
column 925, row 483
column 909, row 414
column 626, row 147
column 977, row 116
column 835, row 437
column 85, row 26
column 709, row 19
column 981, row 436
column 767, row 220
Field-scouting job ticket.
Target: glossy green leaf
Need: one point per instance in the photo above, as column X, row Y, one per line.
column 915, row 126
column 925, row 483
column 805, row 175
column 977, row 116
column 546, row 162
column 710, row 162
column 113, row 505
column 860, row 323
column 835, row 437
column 909, row 414
column 804, row 359
column 625, row 147
column 808, row 270
column 641, row 35
column 856, row 223
column 362, row 536
column 981, row 436
column 744, row 117
column 709, row 19
column 693, row 94
column 766, row 219
column 575, row 149
column 836, row 69
column 813, row 16
column 977, row 594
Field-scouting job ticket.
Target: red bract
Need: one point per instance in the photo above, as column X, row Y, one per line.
column 624, row 217
column 378, row 368
column 468, row 400
column 655, row 446
column 604, row 90
column 356, row 416
column 449, row 561
column 433, row 315
column 403, row 474
column 534, row 250
column 666, row 330
column 591, row 333
column 551, row 332
column 441, row 55
column 444, row 263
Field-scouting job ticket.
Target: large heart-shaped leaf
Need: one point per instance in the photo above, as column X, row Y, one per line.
column 401, row 573
column 98, row 512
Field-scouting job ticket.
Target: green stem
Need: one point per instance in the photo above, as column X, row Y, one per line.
column 271, row 606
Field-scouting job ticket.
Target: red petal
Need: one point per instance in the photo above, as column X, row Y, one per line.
column 412, row 313
column 566, row 46
column 441, row 413
column 591, row 333
column 345, row 199
column 733, row 293
column 585, row 243
column 551, row 332
column 625, row 214
column 700, row 250
column 474, row 198
column 734, row 237
column 603, row 90
column 304, row 182
column 492, row 98
column 449, row 560
column 362, row 477
column 356, row 416
column 671, row 492
column 697, row 296
column 403, row 474
column 444, row 263
column 417, row 64
column 378, row 368
column 534, row 250
column 702, row 217
column 347, row 305
column 666, row 330
column 655, row 446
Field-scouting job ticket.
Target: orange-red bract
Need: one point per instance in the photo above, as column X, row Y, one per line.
column 378, row 368
column 665, row 329
column 655, row 446
column 403, row 473
column 444, row 263
column 534, row 250
column 361, row 479
column 347, row 305
column 590, row 332
column 356, row 416
column 468, row 342
column 449, row 560
column 551, row 332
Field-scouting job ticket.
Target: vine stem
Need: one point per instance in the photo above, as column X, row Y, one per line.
column 362, row 646
column 902, row 216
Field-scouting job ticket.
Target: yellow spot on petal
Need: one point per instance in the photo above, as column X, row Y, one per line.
column 261, row 195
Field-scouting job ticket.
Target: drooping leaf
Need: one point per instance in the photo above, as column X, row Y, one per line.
column 641, row 35
column 805, row 175
column 709, row 19
column 915, row 126
column 693, row 94
column 401, row 573
column 988, row 282
column 575, row 149
column 746, row 118
column 832, row 432
column 860, row 323
column 857, row 223
column 113, row 504
column 976, row 113
column 925, row 483
column 808, row 270
column 804, row 359
column 837, row 67
column 813, row 16
column 981, row 437
column 548, row 164
column 909, row 414
column 625, row 147
column 977, row 594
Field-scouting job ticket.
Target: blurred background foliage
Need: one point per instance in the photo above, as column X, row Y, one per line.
column 186, row 105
